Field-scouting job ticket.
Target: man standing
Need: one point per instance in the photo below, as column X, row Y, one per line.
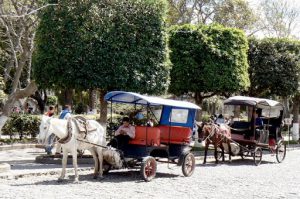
column 65, row 114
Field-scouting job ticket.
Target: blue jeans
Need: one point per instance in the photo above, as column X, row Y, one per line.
column 50, row 142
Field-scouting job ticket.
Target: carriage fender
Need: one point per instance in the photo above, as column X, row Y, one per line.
column 182, row 156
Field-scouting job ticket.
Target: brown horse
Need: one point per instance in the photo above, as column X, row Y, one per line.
column 216, row 135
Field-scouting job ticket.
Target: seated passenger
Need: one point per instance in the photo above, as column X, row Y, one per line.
column 124, row 133
column 220, row 119
column 258, row 125
column 258, row 121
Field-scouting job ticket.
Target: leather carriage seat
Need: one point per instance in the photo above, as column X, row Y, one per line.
column 178, row 134
column 153, row 136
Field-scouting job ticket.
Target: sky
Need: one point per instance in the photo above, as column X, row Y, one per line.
column 294, row 3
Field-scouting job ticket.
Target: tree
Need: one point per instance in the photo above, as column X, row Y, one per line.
column 18, row 21
column 180, row 11
column 281, row 18
column 274, row 67
column 207, row 60
column 230, row 13
column 274, row 70
column 109, row 45
column 236, row 14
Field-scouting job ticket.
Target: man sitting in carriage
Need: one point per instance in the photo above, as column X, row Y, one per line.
column 124, row 133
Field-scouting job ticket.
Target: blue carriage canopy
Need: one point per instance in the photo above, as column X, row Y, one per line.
column 170, row 107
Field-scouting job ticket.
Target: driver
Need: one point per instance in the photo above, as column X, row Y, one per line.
column 124, row 133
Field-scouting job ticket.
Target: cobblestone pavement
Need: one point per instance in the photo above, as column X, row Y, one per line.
column 239, row 179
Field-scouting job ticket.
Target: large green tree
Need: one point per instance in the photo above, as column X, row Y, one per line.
column 106, row 44
column 207, row 60
column 274, row 67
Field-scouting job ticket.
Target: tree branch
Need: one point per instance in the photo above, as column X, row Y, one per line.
column 29, row 13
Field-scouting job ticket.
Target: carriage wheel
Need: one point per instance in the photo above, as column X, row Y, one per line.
column 280, row 151
column 188, row 165
column 148, row 168
column 257, row 156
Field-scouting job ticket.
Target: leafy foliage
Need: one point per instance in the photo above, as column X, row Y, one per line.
column 208, row 59
column 235, row 13
column 116, row 44
column 22, row 124
column 274, row 66
column 52, row 100
column 2, row 94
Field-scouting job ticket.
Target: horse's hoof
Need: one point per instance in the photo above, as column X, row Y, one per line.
column 204, row 162
column 76, row 181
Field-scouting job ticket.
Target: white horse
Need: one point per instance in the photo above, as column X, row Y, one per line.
column 60, row 128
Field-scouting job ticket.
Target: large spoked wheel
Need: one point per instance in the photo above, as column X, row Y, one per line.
column 257, row 156
column 148, row 168
column 280, row 151
column 188, row 164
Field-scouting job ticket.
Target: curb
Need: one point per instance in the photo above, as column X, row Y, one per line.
column 20, row 146
column 10, row 176
column 54, row 159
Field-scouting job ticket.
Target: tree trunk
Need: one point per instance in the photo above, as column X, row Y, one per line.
column 68, row 94
column 295, row 130
column 92, row 100
column 41, row 102
column 103, row 108
column 286, row 107
column 198, row 101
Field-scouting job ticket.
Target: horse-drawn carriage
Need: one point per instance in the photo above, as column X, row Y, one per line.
column 255, row 125
column 168, row 141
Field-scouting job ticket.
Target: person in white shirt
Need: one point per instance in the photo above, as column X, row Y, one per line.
column 124, row 133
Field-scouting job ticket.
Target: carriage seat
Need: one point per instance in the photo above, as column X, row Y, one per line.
column 239, row 127
column 178, row 134
column 153, row 136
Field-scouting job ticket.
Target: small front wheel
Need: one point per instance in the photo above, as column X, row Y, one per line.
column 280, row 151
column 188, row 165
column 148, row 168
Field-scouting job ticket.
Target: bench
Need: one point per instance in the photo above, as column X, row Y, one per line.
column 178, row 134
column 153, row 136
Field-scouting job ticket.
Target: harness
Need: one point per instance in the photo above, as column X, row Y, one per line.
column 212, row 132
column 82, row 126
column 69, row 133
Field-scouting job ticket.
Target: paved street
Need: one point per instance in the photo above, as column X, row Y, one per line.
column 240, row 179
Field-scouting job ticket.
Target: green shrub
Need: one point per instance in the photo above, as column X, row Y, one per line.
column 22, row 124
column 52, row 100
column 79, row 108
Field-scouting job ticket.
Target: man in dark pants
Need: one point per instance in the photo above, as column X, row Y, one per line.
column 124, row 133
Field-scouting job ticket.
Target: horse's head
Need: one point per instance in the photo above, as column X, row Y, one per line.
column 44, row 129
column 201, row 130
